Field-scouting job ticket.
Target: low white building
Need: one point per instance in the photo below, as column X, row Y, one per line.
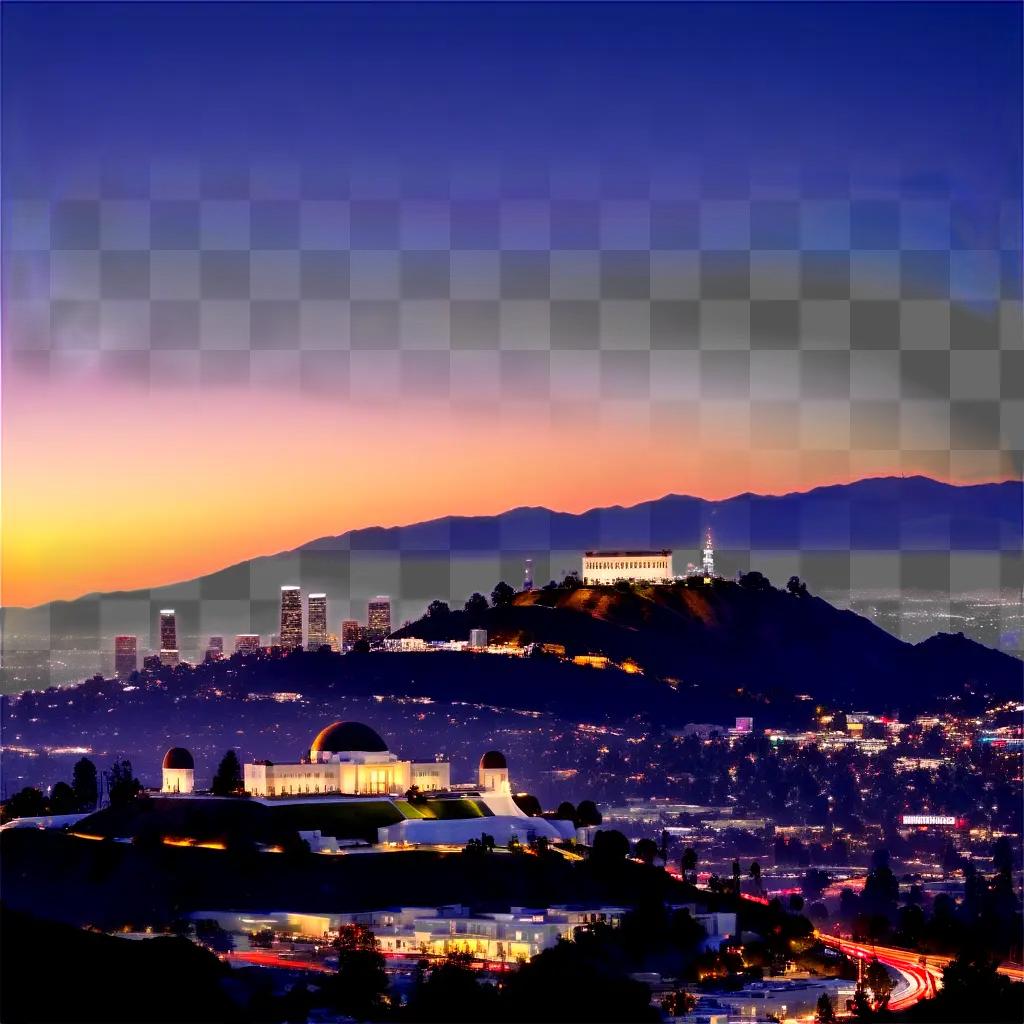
column 521, row 932
column 603, row 567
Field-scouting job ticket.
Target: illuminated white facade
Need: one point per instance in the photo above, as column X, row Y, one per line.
column 493, row 773
column 346, row 757
column 178, row 771
column 602, row 567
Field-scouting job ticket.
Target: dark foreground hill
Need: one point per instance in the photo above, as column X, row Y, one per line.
column 50, row 972
column 726, row 637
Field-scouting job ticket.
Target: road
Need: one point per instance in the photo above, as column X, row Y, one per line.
column 918, row 977
column 299, row 962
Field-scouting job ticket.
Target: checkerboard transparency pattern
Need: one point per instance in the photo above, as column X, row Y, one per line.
column 735, row 305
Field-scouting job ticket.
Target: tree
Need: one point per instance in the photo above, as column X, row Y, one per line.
column 972, row 990
column 527, row 803
column 85, row 783
column 795, row 587
column 476, row 606
column 575, row 981
column 678, row 1002
column 881, row 888
column 63, row 799
column 571, row 581
column 755, row 874
column 815, row 882
column 689, row 864
column 26, row 803
column 566, row 811
column 610, row 847
column 451, row 993
column 361, row 983
column 502, row 595
column 228, row 779
column 438, row 610
column 755, row 581
column 122, row 786
column 587, row 814
column 878, row 979
column 1002, row 856
column 646, row 850
column 824, row 1013
column 415, row 795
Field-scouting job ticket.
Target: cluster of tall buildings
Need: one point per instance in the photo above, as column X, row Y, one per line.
column 296, row 631
column 378, row 623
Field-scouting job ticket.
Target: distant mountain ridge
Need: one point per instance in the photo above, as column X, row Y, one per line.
column 878, row 513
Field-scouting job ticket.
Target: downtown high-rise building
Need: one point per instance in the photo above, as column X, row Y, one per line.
column 126, row 655
column 214, row 648
column 168, row 637
column 317, row 631
column 349, row 633
column 291, row 618
column 378, row 618
column 247, row 643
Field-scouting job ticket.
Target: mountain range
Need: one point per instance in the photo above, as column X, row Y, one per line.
column 892, row 531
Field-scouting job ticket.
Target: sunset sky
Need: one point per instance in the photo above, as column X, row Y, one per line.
column 273, row 277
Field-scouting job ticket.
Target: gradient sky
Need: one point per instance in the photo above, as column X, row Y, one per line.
column 132, row 461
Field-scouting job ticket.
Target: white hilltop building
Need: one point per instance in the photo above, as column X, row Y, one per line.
column 607, row 567
column 610, row 566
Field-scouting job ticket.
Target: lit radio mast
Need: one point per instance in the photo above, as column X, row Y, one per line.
column 709, row 556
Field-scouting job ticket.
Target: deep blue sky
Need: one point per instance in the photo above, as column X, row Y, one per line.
column 936, row 87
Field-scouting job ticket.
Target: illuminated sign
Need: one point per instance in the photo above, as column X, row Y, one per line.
column 928, row 819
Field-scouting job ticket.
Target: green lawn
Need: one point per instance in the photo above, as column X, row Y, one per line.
column 206, row 820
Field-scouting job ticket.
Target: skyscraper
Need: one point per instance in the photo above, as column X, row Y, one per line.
column 378, row 618
column 708, row 562
column 349, row 633
column 528, row 574
column 126, row 655
column 291, row 618
column 317, row 634
column 215, row 648
column 168, row 637
column 247, row 643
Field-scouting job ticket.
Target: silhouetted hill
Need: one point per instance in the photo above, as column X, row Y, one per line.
column 726, row 637
column 52, row 972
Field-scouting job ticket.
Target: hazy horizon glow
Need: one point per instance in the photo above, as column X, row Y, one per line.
column 206, row 479
column 325, row 266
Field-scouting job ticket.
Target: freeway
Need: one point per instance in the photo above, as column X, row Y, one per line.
column 919, row 977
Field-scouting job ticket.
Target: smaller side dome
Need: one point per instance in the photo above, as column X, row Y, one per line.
column 493, row 759
column 178, row 757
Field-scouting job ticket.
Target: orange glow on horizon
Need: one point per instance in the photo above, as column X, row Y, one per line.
column 106, row 489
